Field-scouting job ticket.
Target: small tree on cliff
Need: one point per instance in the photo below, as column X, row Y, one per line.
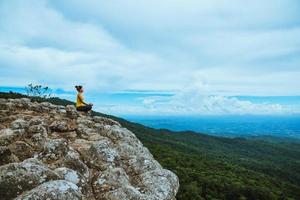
column 38, row 91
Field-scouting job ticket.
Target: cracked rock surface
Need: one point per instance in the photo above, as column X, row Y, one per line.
column 53, row 152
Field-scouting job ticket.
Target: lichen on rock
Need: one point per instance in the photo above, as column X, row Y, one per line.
column 54, row 152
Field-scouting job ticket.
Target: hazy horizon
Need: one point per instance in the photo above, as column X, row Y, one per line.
column 104, row 103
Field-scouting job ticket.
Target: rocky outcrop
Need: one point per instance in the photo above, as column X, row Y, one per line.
column 55, row 152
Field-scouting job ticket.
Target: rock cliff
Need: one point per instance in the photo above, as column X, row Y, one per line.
column 54, row 152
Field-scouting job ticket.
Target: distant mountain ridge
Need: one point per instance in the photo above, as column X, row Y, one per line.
column 212, row 167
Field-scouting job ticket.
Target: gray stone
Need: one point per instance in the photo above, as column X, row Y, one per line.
column 104, row 120
column 16, row 178
column 19, row 124
column 36, row 121
column 53, row 190
column 37, row 134
column 85, row 132
column 59, row 126
column 101, row 154
column 71, row 111
column 6, row 156
column 21, row 149
column 160, row 183
column 8, row 136
column 73, row 177
column 111, row 179
column 72, row 160
column 54, row 149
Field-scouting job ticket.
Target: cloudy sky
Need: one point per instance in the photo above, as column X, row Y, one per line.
column 157, row 56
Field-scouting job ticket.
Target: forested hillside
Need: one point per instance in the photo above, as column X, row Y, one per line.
column 212, row 167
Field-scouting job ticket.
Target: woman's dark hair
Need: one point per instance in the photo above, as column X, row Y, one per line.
column 78, row 87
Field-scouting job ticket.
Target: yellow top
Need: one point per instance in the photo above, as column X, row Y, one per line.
column 80, row 101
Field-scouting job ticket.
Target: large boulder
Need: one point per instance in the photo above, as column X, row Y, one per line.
column 22, row 150
column 59, row 126
column 114, row 183
column 102, row 155
column 8, row 136
column 53, row 190
column 16, row 178
column 73, row 177
column 71, row 111
column 53, row 152
column 19, row 124
column 6, row 156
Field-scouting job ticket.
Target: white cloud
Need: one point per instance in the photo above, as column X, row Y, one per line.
column 149, row 101
column 201, row 105
column 195, row 100
column 59, row 52
column 237, row 48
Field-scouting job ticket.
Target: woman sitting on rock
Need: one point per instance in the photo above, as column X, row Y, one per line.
column 80, row 104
